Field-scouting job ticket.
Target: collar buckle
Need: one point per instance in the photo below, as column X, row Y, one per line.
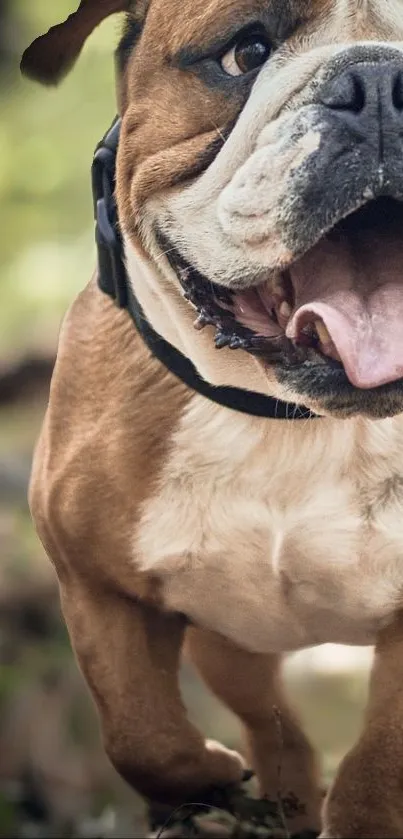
column 111, row 268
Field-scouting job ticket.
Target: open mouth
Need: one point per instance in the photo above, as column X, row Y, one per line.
column 340, row 304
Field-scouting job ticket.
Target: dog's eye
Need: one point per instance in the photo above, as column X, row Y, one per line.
column 249, row 53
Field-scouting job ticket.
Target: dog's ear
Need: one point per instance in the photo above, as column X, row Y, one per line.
column 51, row 56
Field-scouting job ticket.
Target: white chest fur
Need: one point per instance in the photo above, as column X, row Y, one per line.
column 279, row 535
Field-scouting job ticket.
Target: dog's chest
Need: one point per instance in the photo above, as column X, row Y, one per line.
column 279, row 535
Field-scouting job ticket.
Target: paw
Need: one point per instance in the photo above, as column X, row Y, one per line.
column 226, row 765
column 216, row 748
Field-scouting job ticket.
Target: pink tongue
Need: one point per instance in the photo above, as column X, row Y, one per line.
column 354, row 284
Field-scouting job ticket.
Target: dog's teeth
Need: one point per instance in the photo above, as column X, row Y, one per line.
column 200, row 323
column 204, row 319
column 208, row 318
column 323, row 333
column 285, row 309
column 326, row 344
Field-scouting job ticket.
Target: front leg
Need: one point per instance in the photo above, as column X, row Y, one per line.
column 129, row 654
column 366, row 800
column 250, row 685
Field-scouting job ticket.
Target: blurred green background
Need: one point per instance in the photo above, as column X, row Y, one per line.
column 54, row 779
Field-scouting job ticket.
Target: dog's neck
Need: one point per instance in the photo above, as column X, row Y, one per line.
column 172, row 318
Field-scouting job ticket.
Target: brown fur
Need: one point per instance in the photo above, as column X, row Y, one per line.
column 129, row 462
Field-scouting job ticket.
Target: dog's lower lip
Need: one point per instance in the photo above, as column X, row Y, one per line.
column 320, row 306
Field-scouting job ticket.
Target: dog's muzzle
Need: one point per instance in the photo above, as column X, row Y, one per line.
column 317, row 209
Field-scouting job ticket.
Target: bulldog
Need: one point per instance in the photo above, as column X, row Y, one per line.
column 259, row 191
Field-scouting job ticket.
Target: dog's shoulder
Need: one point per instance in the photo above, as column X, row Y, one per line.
column 112, row 411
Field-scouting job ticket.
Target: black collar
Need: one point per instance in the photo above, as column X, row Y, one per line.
column 113, row 280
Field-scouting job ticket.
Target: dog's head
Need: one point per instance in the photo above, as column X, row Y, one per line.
column 261, row 168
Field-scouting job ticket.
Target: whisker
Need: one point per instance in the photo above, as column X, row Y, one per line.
column 164, row 253
column 219, row 132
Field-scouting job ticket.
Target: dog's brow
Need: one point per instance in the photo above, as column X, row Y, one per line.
column 206, row 31
column 194, row 49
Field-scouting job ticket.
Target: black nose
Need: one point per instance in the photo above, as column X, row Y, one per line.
column 367, row 93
